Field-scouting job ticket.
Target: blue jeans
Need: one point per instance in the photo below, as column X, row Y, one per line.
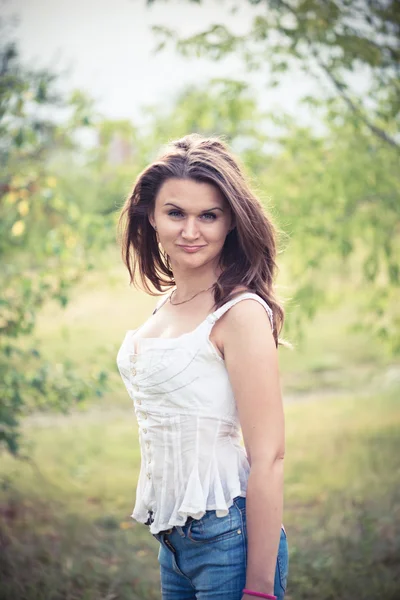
column 206, row 559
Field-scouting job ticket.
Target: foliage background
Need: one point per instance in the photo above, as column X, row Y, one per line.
column 331, row 184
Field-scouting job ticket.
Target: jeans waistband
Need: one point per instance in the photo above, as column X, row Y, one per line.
column 151, row 519
column 239, row 500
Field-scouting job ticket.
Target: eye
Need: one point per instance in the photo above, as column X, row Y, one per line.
column 211, row 215
column 206, row 216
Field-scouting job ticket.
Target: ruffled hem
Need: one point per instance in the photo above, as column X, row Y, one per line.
column 220, row 510
column 221, row 482
column 183, row 515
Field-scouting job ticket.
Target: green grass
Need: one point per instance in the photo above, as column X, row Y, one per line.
column 66, row 531
column 343, row 498
column 66, row 523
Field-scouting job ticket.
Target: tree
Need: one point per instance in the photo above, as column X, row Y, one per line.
column 225, row 108
column 338, row 196
column 329, row 40
column 45, row 240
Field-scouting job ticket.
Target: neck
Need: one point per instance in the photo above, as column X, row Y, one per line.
column 191, row 282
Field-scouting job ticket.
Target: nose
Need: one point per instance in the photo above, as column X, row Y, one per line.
column 190, row 231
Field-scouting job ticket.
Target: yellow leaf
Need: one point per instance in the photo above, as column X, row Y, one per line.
column 125, row 525
column 23, row 208
column 70, row 241
column 17, row 181
column 18, row 228
column 11, row 198
column 51, row 182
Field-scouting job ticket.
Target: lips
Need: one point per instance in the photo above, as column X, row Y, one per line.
column 191, row 248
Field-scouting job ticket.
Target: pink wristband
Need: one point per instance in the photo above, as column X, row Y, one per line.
column 258, row 594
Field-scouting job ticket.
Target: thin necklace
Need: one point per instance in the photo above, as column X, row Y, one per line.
column 183, row 302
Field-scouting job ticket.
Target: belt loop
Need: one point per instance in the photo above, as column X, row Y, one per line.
column 179, row 529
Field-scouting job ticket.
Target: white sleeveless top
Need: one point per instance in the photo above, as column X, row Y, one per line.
column 192, row 459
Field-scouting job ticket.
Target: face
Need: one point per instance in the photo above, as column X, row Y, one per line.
column 192, row 220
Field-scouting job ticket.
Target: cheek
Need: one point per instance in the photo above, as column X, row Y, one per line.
column 219, row 232
column 168, row 228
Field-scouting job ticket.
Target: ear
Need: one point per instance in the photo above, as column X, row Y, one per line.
column 232, row 215
column 151, row 219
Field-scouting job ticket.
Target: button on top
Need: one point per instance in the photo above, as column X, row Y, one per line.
column 145, row 430
column 133, row 371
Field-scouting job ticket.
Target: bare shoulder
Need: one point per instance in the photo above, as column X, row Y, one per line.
column 247, row 314
column 246, row 337
column 245, row 322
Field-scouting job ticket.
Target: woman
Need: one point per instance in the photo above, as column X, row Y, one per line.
column 202, row 371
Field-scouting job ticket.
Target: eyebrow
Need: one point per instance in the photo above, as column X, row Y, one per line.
column 203, row 211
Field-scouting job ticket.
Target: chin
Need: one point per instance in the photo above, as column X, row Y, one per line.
column 191, row 261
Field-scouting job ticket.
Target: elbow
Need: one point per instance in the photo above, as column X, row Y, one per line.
column 270, row 460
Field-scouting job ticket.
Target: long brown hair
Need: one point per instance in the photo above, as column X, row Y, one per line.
column 249, row 252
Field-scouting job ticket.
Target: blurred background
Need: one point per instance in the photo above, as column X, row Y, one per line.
column 307, row 94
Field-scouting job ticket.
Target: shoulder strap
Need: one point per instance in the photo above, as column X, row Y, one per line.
column 222, row 309
column 162, row 301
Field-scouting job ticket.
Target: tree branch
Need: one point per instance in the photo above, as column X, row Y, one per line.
column 339, row 87
column 376, row 130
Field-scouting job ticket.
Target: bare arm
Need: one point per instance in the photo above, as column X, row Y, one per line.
column 251, row 359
